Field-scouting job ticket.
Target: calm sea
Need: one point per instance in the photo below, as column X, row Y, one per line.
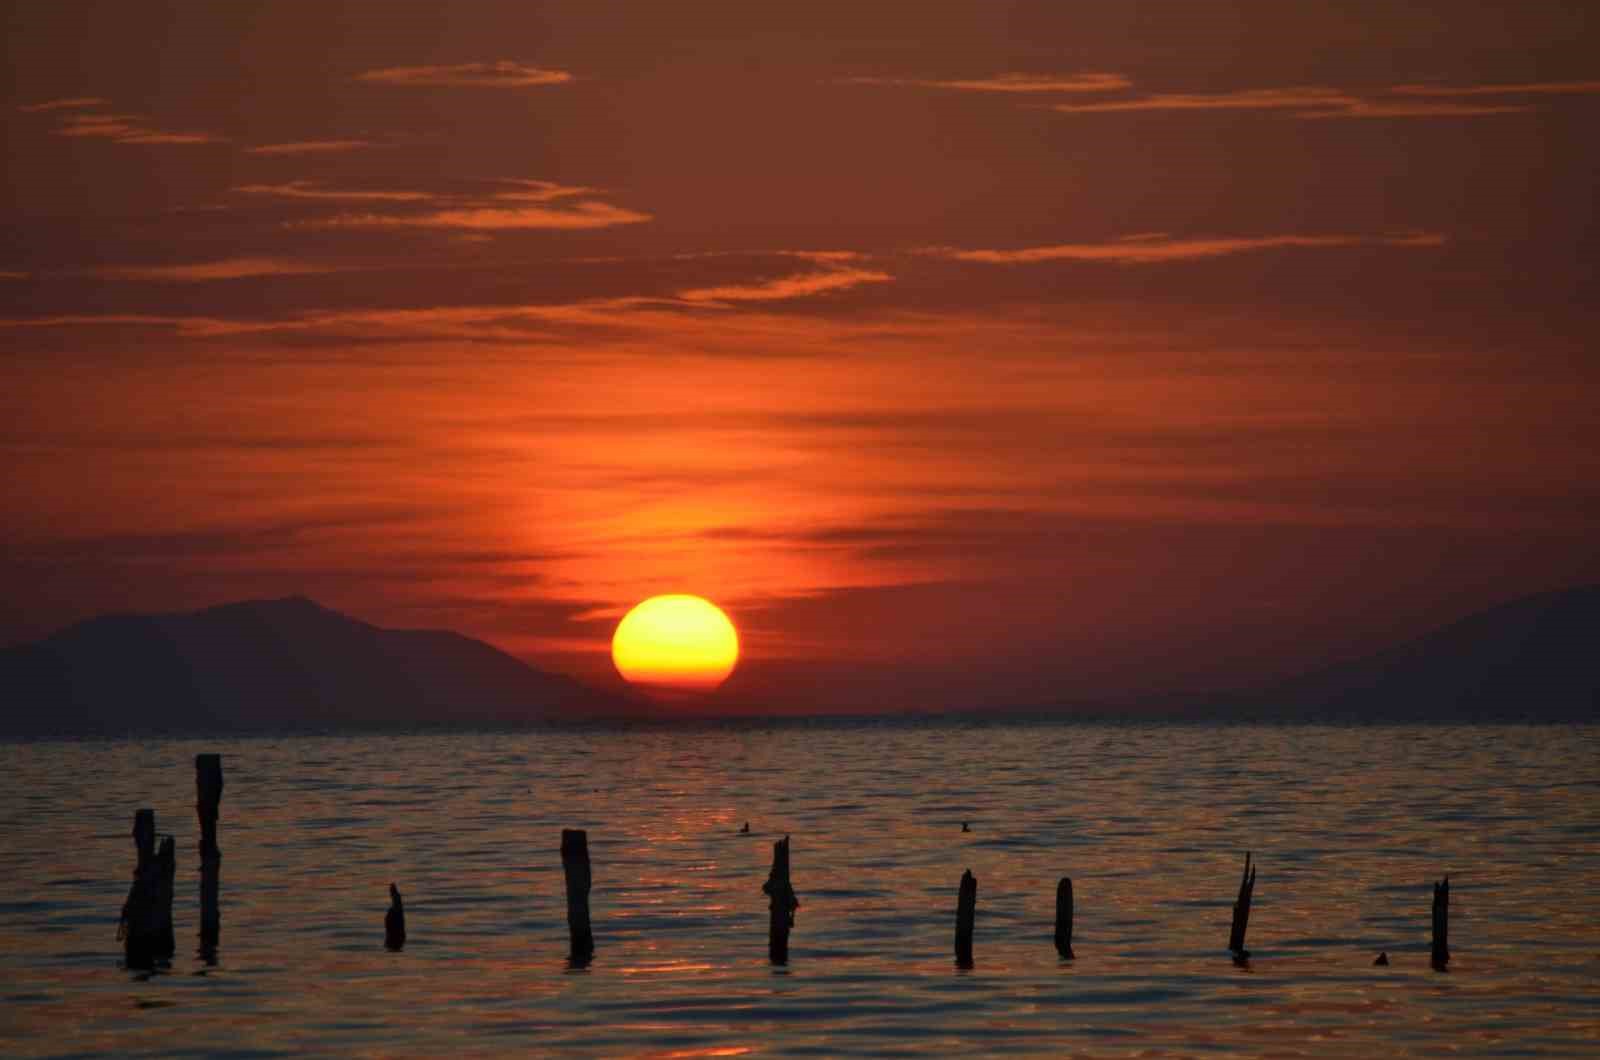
column 1349, row 826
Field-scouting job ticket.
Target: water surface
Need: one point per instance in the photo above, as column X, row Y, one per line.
column 1349, row 826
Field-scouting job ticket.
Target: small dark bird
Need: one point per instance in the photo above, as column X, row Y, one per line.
column 394, row 921
column 1382, row 961
column 964, row 827
column 746, row 829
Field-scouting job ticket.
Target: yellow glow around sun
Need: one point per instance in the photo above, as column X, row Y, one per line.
column 675, row 643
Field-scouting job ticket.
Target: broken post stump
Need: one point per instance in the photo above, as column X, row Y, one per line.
column 208, row 798
column 575, row 864
column 1241, row 910
column 1441, row 924
column 144, row 930
column 1064, row 918
column 966, row 913
column 783, row 904
column 394, row 922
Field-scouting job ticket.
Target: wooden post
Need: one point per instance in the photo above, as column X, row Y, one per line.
column 575, row 863
column 167, row 865
column 966, row 913
column 1064, row 918
column 784, row 903
column 1441, row 924
column 141, row 924
column 394, row 922
column 208, row 798
column 1241, row 910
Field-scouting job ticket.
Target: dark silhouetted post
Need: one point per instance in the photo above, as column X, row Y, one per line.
column 146, row 926
column 1241, row 910
column 966, row 913
column 783, row 904
column 394, row 922
column 167, row 862
column 575, row 863
column 1064, row 918
column 1441, row 924
column 208, row 798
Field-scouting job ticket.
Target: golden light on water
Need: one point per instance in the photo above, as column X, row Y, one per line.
column 675, row 643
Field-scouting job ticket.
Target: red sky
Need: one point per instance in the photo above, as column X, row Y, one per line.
column 965, row 353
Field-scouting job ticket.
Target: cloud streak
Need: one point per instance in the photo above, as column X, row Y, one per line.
column 310, row 147
column 800, row 285
column 206, row 271
column 305, row 189
column 581, row 215
column 1159, row 248
column 1526, row 88
column 502, row 74
column 122, row 128
column 71, row 103
column 1017, row 84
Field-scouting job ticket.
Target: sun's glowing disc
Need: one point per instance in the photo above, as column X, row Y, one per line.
column 676, row 643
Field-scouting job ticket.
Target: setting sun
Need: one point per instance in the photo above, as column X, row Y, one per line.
column 676, row 643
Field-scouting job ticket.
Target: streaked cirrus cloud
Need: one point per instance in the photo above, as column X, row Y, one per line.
column 799, row 285
column 305, row 189
column 1010, row 82
column 205, row 271
column 578, row 215
column 1526, row 88
column 311, row 147
column 1305, row 101
column 127, row 129
column 69, row 103
column 501, row 74
column 1156, row 248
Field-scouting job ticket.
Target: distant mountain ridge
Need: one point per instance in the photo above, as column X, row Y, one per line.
column 1533, row 659
column 269, row 664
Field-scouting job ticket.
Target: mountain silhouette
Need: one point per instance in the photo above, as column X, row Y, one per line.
column 269, row 664
column 1532, row 659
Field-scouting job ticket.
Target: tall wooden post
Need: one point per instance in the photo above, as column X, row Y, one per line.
column 1241, row 910
column 1064, row 918
column 575, row 864
column 784, row 903
column 394, row 922
column 208, row 799
column 1441, row 924
column 966, row 913
column 144, row 930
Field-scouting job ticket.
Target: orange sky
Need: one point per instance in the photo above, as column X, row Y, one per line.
column 1008, row 353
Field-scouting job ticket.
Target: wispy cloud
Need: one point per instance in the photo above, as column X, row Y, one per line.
column 800, row 285
column 62, row 104
column 1526, row 88
column 1012, row 83
column 311, row 147
column 1156, row 248
column 1306, row 101
column 305, row 189
column 579, row 215
column 128, row 129
column 205, row 271
column 506, row 205
column 502, row 74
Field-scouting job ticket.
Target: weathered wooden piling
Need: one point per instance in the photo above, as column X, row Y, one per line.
column 1441, row 924
column 394, row 922
column 208, row 799
column 1241, row 910
column 575, row 864
column 1064, row 918
column 146, row 924
column 781, row 909
column 966, row 914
